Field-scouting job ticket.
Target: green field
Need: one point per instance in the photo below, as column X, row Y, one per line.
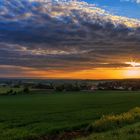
column 26, row 116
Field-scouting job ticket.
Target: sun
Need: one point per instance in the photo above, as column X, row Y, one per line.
column 133, row 64
column 133, row 70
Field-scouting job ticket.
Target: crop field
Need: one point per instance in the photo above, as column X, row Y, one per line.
column 37, row 115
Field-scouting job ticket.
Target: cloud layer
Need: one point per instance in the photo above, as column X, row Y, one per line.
column 65, row 36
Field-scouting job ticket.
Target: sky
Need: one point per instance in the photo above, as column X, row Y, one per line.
column 91, row 39
column 129, row 8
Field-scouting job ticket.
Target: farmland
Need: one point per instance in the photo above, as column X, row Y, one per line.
column 36, row 115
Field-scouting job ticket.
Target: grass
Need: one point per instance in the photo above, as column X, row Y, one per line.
column 129, row 132
column 24, row 116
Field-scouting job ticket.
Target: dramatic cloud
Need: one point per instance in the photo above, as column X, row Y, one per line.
column 68, row 36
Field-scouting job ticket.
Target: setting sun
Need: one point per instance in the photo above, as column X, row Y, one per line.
column 133, row 71
column 133, row 64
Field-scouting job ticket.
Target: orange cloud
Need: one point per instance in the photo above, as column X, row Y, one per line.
column 98, row 73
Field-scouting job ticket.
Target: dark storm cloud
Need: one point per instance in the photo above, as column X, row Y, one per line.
column 70, row 41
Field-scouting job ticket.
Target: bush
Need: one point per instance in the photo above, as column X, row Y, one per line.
column 115, row 121
column 10, row 91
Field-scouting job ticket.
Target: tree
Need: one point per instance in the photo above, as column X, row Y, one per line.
column 26, row 90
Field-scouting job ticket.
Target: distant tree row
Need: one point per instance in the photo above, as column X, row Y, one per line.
column 63, row 86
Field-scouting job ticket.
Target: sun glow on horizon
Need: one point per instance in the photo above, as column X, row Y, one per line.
column 133, row 64
column 132, row 71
